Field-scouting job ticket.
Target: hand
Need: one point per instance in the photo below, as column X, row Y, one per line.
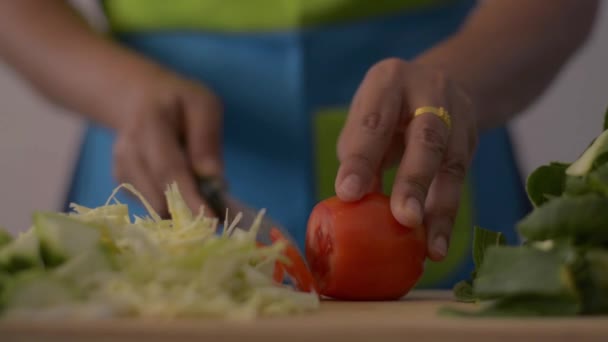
column 170, row 131
column 433, row 161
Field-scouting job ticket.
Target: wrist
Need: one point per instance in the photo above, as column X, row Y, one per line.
column 125, row 89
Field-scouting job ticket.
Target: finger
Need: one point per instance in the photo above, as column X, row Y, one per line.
column 377, row 183
column 204, row 131
column 368, row 131
column 395, row 151
column 443, row 200
column 425, row 145
column 169, row 164
column 144, row 183
column 129, row 167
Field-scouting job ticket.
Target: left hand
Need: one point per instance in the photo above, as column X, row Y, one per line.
column 381, row 131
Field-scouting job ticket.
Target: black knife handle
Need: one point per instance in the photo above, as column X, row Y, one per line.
column 212, row 190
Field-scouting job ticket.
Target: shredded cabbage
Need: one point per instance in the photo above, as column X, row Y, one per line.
column 97, row 262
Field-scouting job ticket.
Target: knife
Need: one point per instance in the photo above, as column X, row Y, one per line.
column 298, row 273
column 213, row 190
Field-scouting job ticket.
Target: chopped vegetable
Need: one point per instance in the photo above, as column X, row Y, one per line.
column 561, row 269
column 296, row 268
column 20, row 254
column 97, row 262
column 5, row 237
column 358, row 251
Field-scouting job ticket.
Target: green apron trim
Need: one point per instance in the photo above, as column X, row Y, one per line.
column 247, row 15
column 328, row 124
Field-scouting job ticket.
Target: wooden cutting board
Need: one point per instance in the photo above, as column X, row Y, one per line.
column 412, row 319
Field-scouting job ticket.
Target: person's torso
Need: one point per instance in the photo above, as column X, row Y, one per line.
column 286, row 72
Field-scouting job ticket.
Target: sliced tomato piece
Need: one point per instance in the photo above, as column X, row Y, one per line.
column 297, row 269
column 279, row 271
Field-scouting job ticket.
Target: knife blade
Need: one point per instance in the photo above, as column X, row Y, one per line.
column 213, row 190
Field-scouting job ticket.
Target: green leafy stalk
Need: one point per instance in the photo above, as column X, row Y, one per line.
column 584, row 217
column 546, row 182
column 523, row 271
column 606, row 120
column 561, row 269
column 483, row 239
column 5, row 237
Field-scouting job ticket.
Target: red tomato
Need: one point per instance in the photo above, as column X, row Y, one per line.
column 358, row 251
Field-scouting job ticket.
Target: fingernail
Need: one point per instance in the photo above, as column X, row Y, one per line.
column 351, row 186
column 413, row 211
column 207, row 167
column 440, row 245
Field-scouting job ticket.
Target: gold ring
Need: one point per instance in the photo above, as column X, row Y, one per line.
column 439, row 111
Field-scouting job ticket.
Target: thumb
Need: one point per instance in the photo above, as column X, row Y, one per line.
column 203, row 112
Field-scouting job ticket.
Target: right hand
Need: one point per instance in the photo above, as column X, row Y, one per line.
column 170, row 131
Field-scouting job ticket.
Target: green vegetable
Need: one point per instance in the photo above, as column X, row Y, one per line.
column 523, row 271
column 583, row 217
column 561, row 269
column 463, row 291
column 585, row 163
column 546, row 182
column 593, row 281
column 527, row 306
column 63, row 237
column 36, row 290
column 21, row 254
column 483, row 239
column 5, row 237
column 595, row 181
column 96, row 262
column 605, row 127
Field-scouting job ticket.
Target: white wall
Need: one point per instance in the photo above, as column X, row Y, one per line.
column 563, row 122
column 37, row 145
column 38, row 141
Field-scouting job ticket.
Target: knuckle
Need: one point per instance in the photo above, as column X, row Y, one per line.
column 436, row 80
column 445, row 210
column 163, row 172
column 439, row 82
column 204, row 98
column 387, row 68
column 455, row 166
column 375, row 123
column 167, row 169
column 154, row 104
column 121, row 151
column 164, row 110
column 168, row 100
column 429, row 138
column 161, row 168
column 447, row 215
column 415, row 185
column 361, row 162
